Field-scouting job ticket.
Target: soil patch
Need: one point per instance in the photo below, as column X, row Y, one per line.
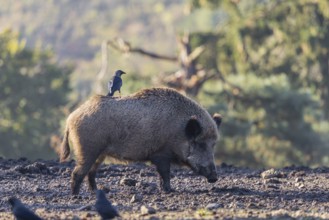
column 243, row 193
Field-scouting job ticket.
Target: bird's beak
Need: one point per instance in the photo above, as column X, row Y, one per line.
column 123, row 73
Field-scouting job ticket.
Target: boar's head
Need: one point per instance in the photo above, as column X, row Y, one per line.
column 200, row 156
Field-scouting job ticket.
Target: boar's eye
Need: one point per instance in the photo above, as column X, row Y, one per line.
column 202, row 145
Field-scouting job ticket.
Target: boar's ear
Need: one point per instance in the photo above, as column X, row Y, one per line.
column 218, row 119
column 193, row 128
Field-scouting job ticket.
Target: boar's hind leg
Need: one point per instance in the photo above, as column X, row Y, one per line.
column 162, row 164
column 92, row 173
column 80, row 171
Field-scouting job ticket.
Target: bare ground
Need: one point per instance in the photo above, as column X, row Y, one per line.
column 240, row 193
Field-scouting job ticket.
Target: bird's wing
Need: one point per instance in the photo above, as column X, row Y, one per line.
column 117, row 83
column 109, row 85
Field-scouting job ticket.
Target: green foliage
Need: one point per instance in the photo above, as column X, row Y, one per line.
column 269, row 124
column 33, row 90
column 273, row 60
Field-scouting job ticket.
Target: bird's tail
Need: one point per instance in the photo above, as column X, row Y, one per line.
column 65, row 147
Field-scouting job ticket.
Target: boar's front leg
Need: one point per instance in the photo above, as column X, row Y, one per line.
column 162, row 163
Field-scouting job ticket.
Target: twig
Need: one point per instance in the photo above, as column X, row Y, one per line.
column 125, row 47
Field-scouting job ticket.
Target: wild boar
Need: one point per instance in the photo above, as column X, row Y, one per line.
column 158, row 125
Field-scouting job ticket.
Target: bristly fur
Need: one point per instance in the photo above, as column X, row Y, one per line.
column 134, row 128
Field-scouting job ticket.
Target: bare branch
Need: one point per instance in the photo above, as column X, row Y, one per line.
column 153, row 55
column 125, row 47
column 196, row 53
column 208, row 77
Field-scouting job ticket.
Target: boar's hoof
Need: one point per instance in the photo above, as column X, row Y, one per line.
column 212, row 179
column 167, row 191
column 75, row 189
column 166, row 188
column 74, row 193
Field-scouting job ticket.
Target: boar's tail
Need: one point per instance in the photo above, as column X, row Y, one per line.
column 65, row 147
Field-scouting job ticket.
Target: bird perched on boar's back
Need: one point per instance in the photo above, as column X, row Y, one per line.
column 158, row 125
column 116, row 83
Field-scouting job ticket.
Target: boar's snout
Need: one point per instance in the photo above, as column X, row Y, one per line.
column 209, row 172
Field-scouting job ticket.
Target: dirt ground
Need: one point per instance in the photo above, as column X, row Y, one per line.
column 240, row 193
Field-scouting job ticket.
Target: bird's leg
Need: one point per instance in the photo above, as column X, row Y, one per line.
column 120, row 93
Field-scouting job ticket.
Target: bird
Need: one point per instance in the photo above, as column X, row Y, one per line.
column 116, row 83
column 104, row 207
column 20, row 211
